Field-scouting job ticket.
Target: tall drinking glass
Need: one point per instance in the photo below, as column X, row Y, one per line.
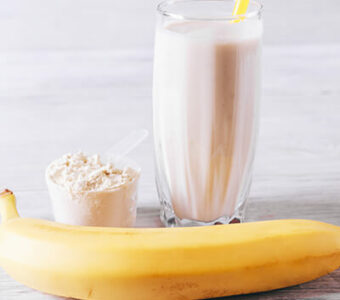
column 206, row 91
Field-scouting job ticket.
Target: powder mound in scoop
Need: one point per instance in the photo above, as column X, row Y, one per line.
column 78, row 172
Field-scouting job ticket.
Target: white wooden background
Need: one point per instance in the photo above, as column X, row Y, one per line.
column 78, row 74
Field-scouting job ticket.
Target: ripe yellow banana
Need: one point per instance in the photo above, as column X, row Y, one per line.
column 164, row 263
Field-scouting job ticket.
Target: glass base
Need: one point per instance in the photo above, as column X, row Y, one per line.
column 169, row 218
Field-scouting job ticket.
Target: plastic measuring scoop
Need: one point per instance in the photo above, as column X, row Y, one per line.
column 240, row 9
column 122, row 148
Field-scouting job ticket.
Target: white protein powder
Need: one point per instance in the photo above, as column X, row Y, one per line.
column 86, row 191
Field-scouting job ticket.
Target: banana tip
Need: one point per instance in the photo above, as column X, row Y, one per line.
column 5, row 192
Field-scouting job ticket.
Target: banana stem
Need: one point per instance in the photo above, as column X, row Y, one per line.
column 8, row 208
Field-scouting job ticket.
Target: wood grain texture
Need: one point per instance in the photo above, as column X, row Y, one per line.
column 55, row 100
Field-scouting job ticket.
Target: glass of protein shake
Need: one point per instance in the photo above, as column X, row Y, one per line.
column 207, row 75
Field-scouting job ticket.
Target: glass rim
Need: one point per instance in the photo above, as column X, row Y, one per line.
column 161, row 8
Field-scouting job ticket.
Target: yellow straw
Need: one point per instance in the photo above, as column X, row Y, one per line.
column 240, row 8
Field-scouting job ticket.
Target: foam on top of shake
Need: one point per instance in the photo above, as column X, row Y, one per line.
column 78, row 172
column 216, row 30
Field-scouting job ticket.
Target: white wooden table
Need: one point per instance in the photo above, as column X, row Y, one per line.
column 55, row 100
